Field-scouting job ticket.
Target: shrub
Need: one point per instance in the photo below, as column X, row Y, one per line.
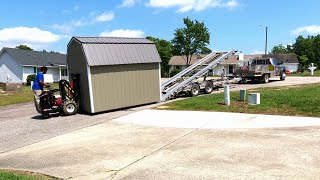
column 174, row 72
column 30, row 78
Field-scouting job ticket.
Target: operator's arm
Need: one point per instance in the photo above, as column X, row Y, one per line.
column 41, row 80
column 44, row 84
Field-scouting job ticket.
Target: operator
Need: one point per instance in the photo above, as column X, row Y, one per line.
column 37, row 87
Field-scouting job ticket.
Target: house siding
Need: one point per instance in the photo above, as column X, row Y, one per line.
column 119, row 86
column 9, row 66
column 77, row 64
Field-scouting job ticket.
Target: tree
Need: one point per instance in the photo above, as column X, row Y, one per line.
column 279, row 49
column 24, row 47
column 191, row 39
column 165, row 51
column 205, row 50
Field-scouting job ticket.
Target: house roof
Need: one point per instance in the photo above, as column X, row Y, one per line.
column 35, row 58
column 115, row 50
column 286, row 58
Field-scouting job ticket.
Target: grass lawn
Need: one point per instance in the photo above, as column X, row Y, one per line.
column 26, row 95
column 305, row 73
column 295, row 100
column 22, row 175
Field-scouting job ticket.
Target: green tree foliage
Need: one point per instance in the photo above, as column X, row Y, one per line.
column 307, row 49
column 165, row 51
column 191, row 39
column 205, row 50
column 279, row 49
column 24, row 47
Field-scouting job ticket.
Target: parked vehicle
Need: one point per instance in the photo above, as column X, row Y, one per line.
column 261, row 70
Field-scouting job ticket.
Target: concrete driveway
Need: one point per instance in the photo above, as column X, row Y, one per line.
column 105, row 146
column 125, row 149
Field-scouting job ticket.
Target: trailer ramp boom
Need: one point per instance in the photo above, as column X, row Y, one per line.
column 176, row 84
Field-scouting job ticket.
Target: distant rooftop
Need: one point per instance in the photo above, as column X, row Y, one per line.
column 35, row 58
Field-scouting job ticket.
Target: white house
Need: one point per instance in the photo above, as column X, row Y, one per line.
column 17, row 64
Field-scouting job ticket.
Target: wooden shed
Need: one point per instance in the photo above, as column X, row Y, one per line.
column 114, row 72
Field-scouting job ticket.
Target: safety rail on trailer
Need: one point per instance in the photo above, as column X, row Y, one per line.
column 177, row 83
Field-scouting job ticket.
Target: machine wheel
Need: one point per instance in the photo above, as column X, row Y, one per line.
column 282, row 76
column 265, row 78
column 69, row 108
column 45, row 115
column 208, row 87
column 195, row 89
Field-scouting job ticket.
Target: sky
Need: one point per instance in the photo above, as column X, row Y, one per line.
column 233, row 24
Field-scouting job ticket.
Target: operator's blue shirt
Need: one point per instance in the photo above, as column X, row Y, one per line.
column 36, row 84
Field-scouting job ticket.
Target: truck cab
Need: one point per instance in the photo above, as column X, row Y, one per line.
column 261, row 69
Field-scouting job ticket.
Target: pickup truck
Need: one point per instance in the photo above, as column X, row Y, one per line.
column 260, row 70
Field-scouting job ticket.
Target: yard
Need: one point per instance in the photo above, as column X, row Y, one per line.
column 26, row 95
column 305, row 73
column 299, row 100
column 22, row 175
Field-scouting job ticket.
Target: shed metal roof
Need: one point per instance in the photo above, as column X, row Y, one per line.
column 35, row 58
column 113, row 40
column 113, row 51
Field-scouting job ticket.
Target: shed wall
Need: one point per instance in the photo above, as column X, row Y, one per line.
column 77, row 64
column 119, row 86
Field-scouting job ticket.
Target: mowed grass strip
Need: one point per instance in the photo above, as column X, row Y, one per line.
column 306, row 73
column 301, row 100
column 22, row 175
column 23, row 96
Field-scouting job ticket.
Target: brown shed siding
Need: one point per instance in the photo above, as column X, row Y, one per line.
column 77, row 64
column 118, row 86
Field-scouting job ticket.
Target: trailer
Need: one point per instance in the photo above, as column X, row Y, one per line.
column 188, row 81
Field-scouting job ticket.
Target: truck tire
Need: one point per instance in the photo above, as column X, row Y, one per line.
column 69, row 108
column 265, row 78
column 208, row 87
column 195, row 89
column 282, row 76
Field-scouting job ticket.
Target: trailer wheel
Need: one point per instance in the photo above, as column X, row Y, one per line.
column 195, row 89
column 69, row 108
column 45, row 115
column 282, row 76
column 208, row 87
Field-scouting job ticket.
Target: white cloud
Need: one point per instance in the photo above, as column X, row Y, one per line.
column 310, row 30
column 123, row 33
column 106, row 16
column 33, row 37
column 68, row 27
column 257, row 52
column 196, row 5
column 128, row 3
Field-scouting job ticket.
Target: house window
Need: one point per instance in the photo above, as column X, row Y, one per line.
column 64, row 72
column 178, row 67
column 36, row 70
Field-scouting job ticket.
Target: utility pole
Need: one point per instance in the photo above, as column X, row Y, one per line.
column 266, row 44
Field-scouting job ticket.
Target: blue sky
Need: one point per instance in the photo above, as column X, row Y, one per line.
column 233, row 24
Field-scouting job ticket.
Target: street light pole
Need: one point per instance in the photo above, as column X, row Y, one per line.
column 266, row 44
column 265, row 50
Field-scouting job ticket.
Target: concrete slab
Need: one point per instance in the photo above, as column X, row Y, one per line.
column 101, row 149
column 214, row 120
